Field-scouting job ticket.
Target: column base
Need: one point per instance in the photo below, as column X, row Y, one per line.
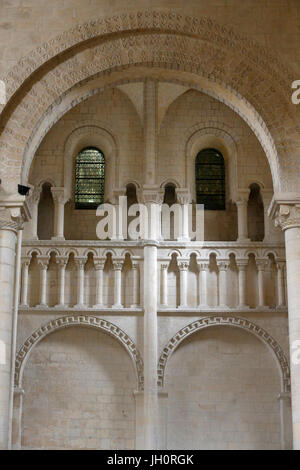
column 203, row 306
column 58, row 238
column 98, row 306
column 163, row 306
column 41, row 306
column 281, row 307
column 79, row 306
column 134, row 306
column 117, row 306
column 23, row 305
column 182, row 307
column 243, row 307
column 262, row 307
column 58, row 306
column 243, row 240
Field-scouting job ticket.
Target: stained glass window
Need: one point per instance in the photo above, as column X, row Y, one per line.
column 210, row 179
column 90, row 177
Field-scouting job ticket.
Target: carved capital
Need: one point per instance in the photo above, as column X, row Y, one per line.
column 151, row 195
column 99, row 264
column 34, row 195
column 80, row 262
column 117, row 265
column 13, row 213
column 242, row 264
column 288, row 216
column 203, row 265
column 164, row 266
column 223, row 265
column 26, row 261
column 183, row 196
column 62, row 261
column 183, row 265
column 261, row 264
column 43, row 262
column 59, row 195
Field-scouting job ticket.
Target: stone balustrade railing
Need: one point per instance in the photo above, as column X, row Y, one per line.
column 101, row 275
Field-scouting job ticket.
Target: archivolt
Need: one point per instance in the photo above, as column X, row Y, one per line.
column 218, row 320
column 83, row 321
column 237, row 70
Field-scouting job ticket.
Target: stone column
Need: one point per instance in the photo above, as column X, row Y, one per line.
column 287, row 216
column 203, row 267
column 280, row 284
column 164, row 285
column 286, row 436
column 99, row 267
column 150, row 347
column 261, row 266
column 242, row 210
column 43, row 264
column 24, row 292
column 272, row 233
column 30, row 228
column 183, row 269
column 135, row 284
column 80, row 263
column 59, row 198
column 117, row 266
column 183, row 197
column 242, row 266
column 150, row 130
column 62, row 264
column 11, row 211
column 17, row 419
column 223, row 266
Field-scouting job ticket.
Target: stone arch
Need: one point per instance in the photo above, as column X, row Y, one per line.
column 152, row 38
column 219, row 320
column 83, row 321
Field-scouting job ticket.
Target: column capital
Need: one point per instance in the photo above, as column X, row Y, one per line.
column 14, row 212
column 242, row 197
column 117, row 264
column 183, row 195
column 223, row 264
column 164, row 266
column 287, row 216
column 34, row 194
column 62, row 261
column 25, row 260
column 242, row 263
column 99, row 263
column 280, row 264
column 261, row 264
column 203, row 265
column 80, row 261
column 183, row 265
column 151, row 194
column 59, row 194
column 43, row 261
column 135, row 265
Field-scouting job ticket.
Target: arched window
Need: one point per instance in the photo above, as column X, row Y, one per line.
column 90, row 178
column 210, row 179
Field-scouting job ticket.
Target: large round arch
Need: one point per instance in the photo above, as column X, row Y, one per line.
column 231, row 321
column 161, row 39
column 87, row 321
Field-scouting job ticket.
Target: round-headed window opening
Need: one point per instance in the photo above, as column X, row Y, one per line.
column 89, row 178
column 210, row 179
